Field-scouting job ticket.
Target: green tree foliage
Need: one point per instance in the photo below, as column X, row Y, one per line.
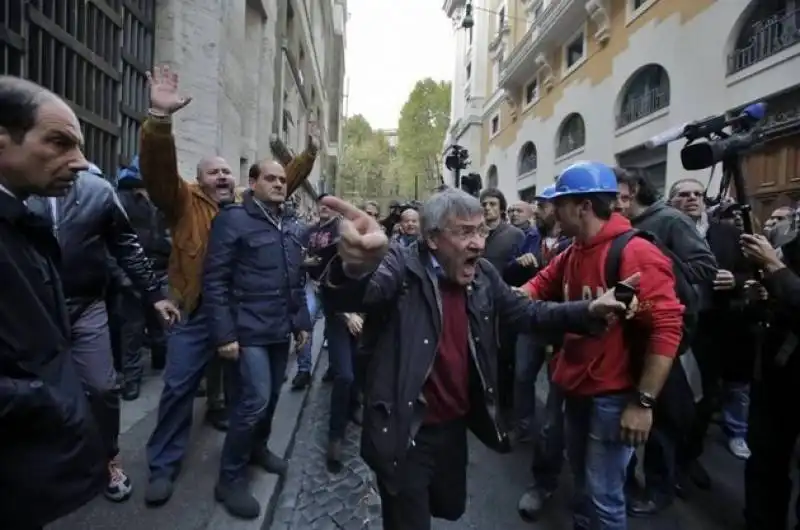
column 424, row 120
column 366, row 161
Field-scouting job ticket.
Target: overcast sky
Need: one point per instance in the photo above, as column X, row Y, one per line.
column 391, row 44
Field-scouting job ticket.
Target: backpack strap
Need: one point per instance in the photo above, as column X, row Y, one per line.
column 614, row 256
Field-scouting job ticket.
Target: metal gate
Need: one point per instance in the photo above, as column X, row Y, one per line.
column 94, row 54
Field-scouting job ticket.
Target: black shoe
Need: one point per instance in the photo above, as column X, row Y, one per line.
column 269, row 462
column 333, row 456
column 237, row 500
column 532, row 502
column 357, row 415
column 131, row 390
column 158, row 492
column 301, row 381
column 328, row 377
column 699, row 476
column 646, row 507
column 218, row 419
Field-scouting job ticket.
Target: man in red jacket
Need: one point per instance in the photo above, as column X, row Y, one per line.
column 610, row 386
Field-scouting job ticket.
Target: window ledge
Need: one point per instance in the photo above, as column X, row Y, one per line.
column 766, row 64
column 528, row 174
column 632, row 14
column 642, row 121
column 571, row 154
column 567, row 72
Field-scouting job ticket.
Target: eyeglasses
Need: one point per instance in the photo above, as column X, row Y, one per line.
column 687, row 194
column 468, row 232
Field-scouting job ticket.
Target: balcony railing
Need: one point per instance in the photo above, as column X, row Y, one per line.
column 637, row 107
column 770, row 36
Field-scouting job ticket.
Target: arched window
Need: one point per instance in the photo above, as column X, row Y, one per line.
column 527, row 159
column 646, row 92
column 491, row 177
column 571, row 135
column 770, row 27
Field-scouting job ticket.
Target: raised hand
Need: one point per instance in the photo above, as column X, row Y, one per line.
column 362, row 242
column 608, row 305
column 164, row 95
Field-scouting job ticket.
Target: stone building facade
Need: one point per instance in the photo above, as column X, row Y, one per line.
column 258, row 72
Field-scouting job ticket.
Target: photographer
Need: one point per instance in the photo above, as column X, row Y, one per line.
column 774, row 428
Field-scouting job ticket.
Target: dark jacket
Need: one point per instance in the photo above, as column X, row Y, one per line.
column 90, row 222
column 676, row 232
column 319, row 241
column 502, row 244
column 253, row 279
column 723, row 239
column 515, row 274
column 404, row 290
column 51, row 457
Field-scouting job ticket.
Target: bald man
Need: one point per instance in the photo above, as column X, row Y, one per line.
column 521, row 214
column 189, row 209
column 409, row 227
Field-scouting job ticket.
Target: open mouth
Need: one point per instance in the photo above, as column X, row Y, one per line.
column 471, row 262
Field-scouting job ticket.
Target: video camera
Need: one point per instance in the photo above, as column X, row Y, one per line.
column 719, row 146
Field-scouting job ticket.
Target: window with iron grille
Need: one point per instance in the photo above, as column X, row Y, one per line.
column 647, row 92
column 571, row 136
column 91, row 53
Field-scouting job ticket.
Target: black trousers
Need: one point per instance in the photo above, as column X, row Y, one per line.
column 141, row 327
column 431, row 481
column 772, row 436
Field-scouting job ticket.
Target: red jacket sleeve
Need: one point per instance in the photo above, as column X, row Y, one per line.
column 548, row 282
column 660, row 310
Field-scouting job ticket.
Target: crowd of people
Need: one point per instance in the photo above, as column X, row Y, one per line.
column 648, row 314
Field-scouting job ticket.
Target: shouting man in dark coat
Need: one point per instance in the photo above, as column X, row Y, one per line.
column 436, row 375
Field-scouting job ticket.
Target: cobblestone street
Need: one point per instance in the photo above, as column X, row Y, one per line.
column 314, row 499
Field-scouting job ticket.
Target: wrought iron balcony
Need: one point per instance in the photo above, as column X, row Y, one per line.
column 769, row 37
column 637, row 107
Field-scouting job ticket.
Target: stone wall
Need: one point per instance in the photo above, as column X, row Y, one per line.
column 224, row 53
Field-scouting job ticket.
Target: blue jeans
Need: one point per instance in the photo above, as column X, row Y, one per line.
column 735, row 409
column 254, row 386
column 189, row 351
column 344, row 394
column 304, row 358
column 599, row 459
column 548, row 448
column 529, row 356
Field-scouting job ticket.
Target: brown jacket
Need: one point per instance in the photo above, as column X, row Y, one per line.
column 187, row 209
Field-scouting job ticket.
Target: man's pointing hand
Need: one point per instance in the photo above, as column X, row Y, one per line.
column 362, row 242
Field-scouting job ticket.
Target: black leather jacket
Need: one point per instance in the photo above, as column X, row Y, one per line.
column 90, row 223
column 404, row 292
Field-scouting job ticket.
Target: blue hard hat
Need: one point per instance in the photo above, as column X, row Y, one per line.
column 547, row 193
column 586, row 177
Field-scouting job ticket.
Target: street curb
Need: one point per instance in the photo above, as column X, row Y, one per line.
column 272, row 503
column 265, row 487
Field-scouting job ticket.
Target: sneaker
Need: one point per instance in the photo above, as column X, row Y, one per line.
column 301, row 381
column 237, row 500
column 738, row 447
column 119, row 486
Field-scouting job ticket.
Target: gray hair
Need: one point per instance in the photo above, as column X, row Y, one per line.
column 440, row 207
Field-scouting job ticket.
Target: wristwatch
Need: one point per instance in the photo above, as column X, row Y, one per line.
column 645, row 400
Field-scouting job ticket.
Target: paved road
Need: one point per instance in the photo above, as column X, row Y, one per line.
column 314, row 499
column 192, row 507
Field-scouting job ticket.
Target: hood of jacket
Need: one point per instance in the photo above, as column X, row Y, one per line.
column 615, row 226
column 130, row 177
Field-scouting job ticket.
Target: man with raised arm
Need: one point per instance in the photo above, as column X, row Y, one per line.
column 189, row 208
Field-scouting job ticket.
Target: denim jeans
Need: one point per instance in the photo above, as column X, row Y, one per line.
column 254, row 386
column 599, row 459
column 529, row 356
column 188, row 353
column 735, row 408
column 344, row 394
column 548, row 448
column 304, row 358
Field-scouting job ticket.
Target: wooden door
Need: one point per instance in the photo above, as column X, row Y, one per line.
column 773, row 175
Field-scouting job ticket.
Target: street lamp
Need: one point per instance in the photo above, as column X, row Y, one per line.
column 468, row 21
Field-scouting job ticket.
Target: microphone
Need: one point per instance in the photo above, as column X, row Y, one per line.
column 749, row 116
